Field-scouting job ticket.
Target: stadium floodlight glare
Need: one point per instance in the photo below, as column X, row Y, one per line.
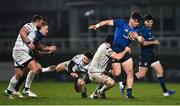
column 88, row 13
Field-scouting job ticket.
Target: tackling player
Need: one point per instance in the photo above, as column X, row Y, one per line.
column 100, row 62
column 77, row 67
column 28, row 42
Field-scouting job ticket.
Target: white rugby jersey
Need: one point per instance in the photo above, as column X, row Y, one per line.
column 79, row 66
column 101, row 58
column 19, row 44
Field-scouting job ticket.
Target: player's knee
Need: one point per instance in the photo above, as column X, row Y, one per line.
column 36, row 70
column 110, row 82
column 129, row 72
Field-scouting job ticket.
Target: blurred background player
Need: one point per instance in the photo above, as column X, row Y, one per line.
column 77, row 67
column 120, row 42
column 100, row 62
column 28, row 42
column 148, row 58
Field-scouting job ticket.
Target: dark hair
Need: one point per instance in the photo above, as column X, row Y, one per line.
column 136, row 16
column 88, row 54
column 36, row 18
column 44, row 23
column 109, row 39
column 148, row 17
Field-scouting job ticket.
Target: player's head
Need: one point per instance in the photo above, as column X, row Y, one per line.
column 38, row 20
column 109, row 39
column 87, row 57
column 44, row 28
column 148, row 21
column 135, row 19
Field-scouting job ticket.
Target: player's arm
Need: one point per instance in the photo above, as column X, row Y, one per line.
column 24, row 35
column 44, row 48
column 147, row 43
column 120, row 55
column 102, row 23
column 70, row 69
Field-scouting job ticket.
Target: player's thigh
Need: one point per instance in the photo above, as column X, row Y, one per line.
column 61, row 67
column 158, row 68
column 128, row 65
column 116, row 69
column 33, row 66
column 98, row 78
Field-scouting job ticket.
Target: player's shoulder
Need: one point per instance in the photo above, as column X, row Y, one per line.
column 78, row 56
column 104, row 46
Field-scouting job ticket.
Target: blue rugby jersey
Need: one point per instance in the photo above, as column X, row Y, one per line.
column 121, row 39
column 148, row 36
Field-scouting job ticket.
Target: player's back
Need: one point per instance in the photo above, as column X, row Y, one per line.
column 100, row 59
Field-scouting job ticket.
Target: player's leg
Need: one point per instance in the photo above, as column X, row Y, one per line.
column 159, row 70
column 16, row 92
column 14, row 80
column 49, row 68
column 140, row 74
column 35, row 68
column 128, row 68
column 107, row 82
column 61, row 67
column 81, row 87
column 116, row 69
column 94, row 94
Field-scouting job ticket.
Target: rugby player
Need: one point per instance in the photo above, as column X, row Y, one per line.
column 148, row 58
column 77, row 67
column 28, row 42
column 100, row 62
column 122, row 39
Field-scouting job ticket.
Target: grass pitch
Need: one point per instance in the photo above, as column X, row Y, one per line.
column 58, row 93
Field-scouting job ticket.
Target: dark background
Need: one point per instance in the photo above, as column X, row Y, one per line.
column 68, row 30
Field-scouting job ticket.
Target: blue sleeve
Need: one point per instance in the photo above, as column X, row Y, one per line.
column 118, row 22
column 38, row 36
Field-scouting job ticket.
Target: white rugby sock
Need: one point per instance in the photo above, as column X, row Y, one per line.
column 47, row 69
column 12, row 83
column 29, row 79
column 103, row 89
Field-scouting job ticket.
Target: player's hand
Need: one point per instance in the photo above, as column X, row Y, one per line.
column 128, row 49
column 92, row 27
column 74, row 75
column 156, row 42
column 31, row 45
column 133, row 35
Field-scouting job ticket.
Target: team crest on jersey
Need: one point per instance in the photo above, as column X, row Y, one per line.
column 126, row 30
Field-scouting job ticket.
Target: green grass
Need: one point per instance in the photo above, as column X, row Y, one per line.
column 56, row 93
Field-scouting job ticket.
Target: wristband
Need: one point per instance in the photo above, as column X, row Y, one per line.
column 97, row 25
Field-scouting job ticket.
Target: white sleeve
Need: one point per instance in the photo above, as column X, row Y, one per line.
column 76, row 59
column 29, row 27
